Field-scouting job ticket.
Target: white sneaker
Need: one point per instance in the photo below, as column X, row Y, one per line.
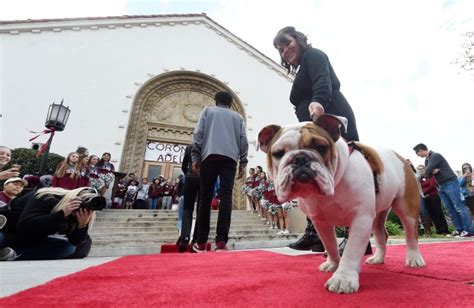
column 465, row 234
column 281, row 232
column 3, row 221
column 286, row 232
column 454, row 234
column 7, row 254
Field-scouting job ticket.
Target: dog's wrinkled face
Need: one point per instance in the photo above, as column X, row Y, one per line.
column 301, row 160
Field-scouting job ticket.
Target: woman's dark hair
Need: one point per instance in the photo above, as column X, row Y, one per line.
column 281, row 39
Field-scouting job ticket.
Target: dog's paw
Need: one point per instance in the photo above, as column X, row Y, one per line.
column 328, row 266
column 415, row 261
column 375, row 260
column 343, row 283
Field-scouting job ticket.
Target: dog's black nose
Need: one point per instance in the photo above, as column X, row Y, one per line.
column 300, row 160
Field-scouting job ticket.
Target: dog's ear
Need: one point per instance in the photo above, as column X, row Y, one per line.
column 265, row 136
column 332, row 124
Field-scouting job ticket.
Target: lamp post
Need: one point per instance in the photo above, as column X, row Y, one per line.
column 56, row 120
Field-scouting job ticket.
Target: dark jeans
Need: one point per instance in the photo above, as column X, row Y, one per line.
column 191, row 191
column 49, row 248
column 435, row 211
column 211, row 169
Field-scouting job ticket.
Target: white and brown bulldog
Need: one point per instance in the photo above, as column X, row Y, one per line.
column 311, row 163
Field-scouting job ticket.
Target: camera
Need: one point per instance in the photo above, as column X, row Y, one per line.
column 96, row 203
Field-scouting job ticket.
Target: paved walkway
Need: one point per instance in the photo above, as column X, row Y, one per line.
column 21, row 275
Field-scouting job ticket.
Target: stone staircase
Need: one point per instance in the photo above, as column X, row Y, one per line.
column 130, row 232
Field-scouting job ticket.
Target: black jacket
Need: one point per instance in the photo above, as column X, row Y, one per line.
column 36, row 221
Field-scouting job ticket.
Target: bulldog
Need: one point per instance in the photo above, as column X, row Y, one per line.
column 335, row 186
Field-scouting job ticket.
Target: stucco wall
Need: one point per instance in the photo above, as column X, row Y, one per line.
column 98, row 72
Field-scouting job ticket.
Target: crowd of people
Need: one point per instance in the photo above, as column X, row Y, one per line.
column 262, row 199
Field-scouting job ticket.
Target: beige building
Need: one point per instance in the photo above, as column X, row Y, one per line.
column 135, row 85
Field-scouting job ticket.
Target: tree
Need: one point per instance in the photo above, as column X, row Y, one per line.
column 30, row 163
column 466, row 59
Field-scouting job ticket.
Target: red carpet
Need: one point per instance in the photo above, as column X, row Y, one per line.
column 258, row 279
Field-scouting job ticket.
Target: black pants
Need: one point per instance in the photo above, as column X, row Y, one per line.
column 470, row 203
column 191, row 191
column 211, row 169
column 433, row 206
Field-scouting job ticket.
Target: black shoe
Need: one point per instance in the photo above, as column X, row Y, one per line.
column 308, row 242
column 183, row 244
column 342, row 246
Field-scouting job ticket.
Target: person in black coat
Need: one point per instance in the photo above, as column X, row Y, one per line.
column 190, row 193
column 51, row 224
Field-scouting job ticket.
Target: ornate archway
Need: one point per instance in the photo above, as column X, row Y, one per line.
column 166, row 109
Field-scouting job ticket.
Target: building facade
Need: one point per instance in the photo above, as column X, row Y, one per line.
column 135, row 85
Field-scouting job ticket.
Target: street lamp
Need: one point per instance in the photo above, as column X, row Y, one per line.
column 56, row 120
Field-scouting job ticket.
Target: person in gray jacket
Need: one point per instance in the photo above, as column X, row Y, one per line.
column 219, row 143
column 448, row 189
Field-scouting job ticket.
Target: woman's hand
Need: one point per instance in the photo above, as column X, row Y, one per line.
column 84, row 216
column 315, row 110
column 9, row 173
column 71, row 206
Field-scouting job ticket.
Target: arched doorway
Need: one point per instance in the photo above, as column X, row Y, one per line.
column 163, row 116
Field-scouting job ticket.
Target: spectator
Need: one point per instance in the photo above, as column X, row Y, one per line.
column 432, row 202
column 179, row 199
column 106, row 169
column 190, row 195
column 168, row 191
column 131, row 194
column 448, row 189
column 5, row 157
column 119, row 194
column 466, row 181
column 67, row 173
column 142, row 195
column 11, row 188
column 47, row 212
column 248, row 189
column 155, row 194
column 219, row 142
column 95, row 181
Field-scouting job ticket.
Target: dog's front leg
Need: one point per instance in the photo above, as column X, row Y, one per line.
column 346, row 278
column 328, row 237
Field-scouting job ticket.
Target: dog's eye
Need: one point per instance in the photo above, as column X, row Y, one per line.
column 278, row 154
column 322, row 149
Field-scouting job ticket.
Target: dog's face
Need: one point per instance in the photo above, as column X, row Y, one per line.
column 301, row 158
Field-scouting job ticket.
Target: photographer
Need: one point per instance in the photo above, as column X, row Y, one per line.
column 47, row 213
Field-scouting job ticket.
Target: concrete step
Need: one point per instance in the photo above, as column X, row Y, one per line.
column 156, row 229
column 167, row 234
column 149, row 241
column 124, row 232
column 140, row 250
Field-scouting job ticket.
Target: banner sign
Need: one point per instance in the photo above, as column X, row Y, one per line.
column 164, row 152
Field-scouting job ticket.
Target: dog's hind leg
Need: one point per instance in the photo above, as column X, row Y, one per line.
column 381, row 236
column 404, row 209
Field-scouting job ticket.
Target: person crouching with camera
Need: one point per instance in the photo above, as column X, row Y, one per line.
column 54, row 224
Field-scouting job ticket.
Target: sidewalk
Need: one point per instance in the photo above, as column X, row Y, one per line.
column 21, row 275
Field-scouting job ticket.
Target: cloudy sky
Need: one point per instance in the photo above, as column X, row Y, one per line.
column 395, row 58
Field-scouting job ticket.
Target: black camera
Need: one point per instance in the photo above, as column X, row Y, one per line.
column 96, row 203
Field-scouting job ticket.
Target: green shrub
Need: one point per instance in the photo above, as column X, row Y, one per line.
column 393, row 228
column 30, row 163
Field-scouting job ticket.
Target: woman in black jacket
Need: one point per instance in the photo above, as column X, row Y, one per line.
column 54, row 224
